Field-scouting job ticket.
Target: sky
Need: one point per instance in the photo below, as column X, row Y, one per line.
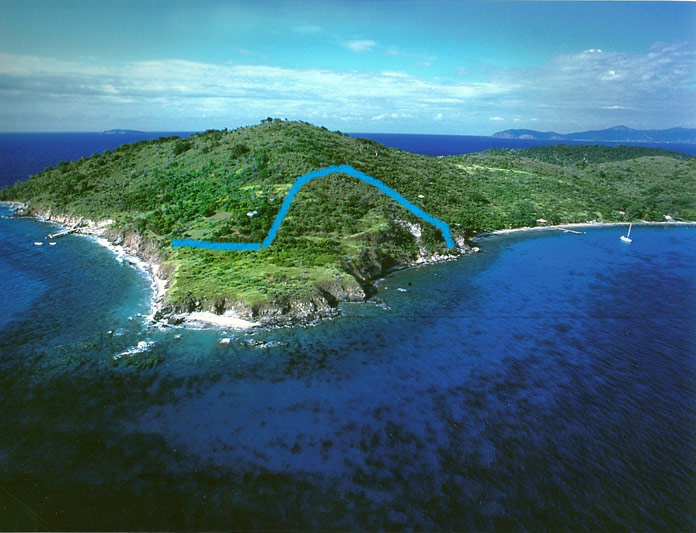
column 438, row 67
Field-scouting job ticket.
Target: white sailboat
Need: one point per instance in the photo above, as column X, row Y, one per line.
column 627, row 237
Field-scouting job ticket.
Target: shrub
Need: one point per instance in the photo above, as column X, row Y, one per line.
column 181, row 146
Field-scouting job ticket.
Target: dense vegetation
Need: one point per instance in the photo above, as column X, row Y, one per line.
column 340, row 230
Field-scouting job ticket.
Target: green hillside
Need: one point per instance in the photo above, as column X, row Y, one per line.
column 340, row 233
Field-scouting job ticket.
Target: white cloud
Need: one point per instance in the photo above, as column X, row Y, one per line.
column 610, row 75
column 181, row 91
column 360, row 45
column 385, row 115
column 391, row 115
column 582, row 90
column 655, row 89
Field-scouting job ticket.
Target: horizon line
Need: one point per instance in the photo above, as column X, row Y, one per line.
column 192, row 132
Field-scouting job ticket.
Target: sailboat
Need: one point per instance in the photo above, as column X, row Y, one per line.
column 627, row 237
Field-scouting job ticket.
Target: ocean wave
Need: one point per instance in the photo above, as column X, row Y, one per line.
column 142, row 346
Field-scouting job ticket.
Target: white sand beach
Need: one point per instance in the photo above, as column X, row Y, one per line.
column 229, row 319
column 580, row 225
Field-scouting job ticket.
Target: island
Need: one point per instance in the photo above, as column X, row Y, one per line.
column 616, row 134
column 120, row 132
column 340, row 234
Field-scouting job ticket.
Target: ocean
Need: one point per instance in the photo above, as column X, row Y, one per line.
column 547, row 382
column 24, row 154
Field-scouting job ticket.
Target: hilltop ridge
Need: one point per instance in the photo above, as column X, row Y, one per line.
column 339, row 235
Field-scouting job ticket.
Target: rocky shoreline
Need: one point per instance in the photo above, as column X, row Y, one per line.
column 126, row 247
column 221, row 312
column 225, row 313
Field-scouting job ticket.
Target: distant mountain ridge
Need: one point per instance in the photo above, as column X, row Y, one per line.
column 120, row 132
column 615, row 134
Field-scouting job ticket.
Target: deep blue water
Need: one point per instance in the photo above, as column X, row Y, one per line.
column 546, row 383
column 24, row 154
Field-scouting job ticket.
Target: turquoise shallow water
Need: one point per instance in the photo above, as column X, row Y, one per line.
column 547, row 382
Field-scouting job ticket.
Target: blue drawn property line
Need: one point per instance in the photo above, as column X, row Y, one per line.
column 211, row 245
column 303, row 180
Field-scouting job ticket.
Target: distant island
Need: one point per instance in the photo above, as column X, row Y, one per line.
column 120, row 132
column 340, row 234
column 615, row 134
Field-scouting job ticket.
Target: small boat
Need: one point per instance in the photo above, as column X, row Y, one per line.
column 38, row 243
column 627, row 237
column 52, row 243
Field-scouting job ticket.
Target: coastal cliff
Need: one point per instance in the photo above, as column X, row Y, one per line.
column 356, row 284
column 340, row 235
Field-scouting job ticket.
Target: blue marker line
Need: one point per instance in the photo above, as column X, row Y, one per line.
column 299, row 183
column 210, row 245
